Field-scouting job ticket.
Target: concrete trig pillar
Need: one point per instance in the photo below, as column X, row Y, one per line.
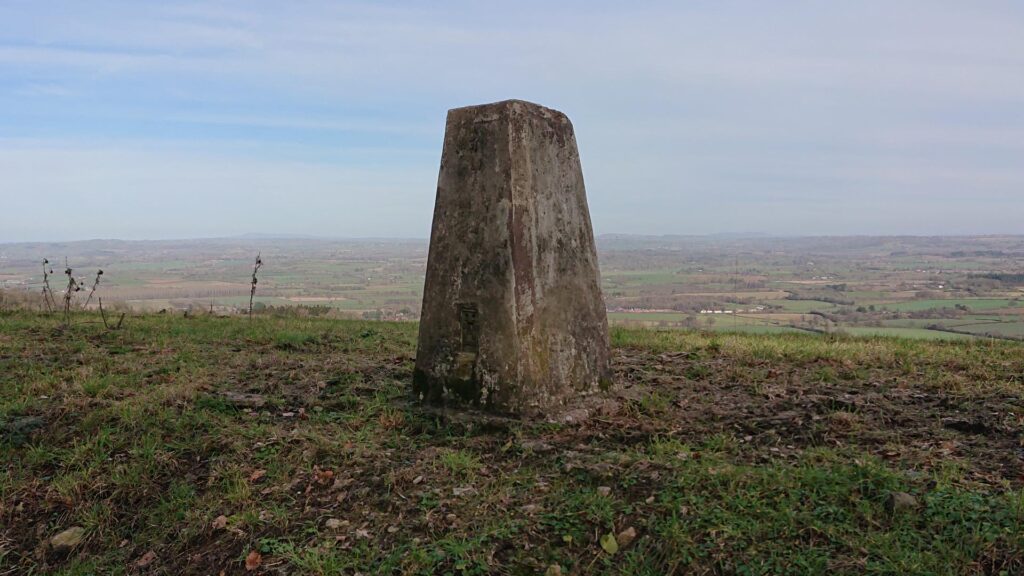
column 513, row 320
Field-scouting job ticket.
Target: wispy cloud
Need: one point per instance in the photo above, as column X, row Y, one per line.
column 825, row 112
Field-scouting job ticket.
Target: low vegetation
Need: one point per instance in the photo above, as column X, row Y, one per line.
column 288, row 445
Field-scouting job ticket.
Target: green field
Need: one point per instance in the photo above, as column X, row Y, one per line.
column 187, row 445
column 903, row 333
column 721, row 322
column 648, row 316
column 1011, row 326
column 640, row 277
column 243, row 301
column 971, row 303
column 996, row 329
column 802, row 306
column 756, row 329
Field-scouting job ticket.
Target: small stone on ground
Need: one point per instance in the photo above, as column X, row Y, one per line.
column 67, row 539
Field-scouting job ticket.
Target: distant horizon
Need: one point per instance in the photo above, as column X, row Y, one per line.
column 286, row 236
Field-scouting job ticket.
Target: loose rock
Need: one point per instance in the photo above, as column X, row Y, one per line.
column 536, row 446
column 626, row 537
column 63, row 543
column 243, row 400
column 900, row 502
column 220, row 522
column 531, row 509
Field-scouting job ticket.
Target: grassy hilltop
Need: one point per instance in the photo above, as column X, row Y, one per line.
column 287, row 445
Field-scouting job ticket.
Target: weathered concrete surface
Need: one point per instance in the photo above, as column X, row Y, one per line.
column 513, row 320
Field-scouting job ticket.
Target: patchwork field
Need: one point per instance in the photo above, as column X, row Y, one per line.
column 911, row 287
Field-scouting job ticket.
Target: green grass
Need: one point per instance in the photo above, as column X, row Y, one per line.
column 338, row 473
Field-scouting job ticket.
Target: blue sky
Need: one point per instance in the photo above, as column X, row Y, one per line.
column 196, row 119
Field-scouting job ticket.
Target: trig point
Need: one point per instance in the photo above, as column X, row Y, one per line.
column 513, row 320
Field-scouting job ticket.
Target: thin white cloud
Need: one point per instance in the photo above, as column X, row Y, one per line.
column 800, row 106
column 316, row 124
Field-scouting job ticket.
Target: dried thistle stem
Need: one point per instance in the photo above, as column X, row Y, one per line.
column 93, row 291
column 47, row 291
column 73, row 286
column 252, row 291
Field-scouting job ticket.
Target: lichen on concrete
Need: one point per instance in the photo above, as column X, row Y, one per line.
column 513, row 320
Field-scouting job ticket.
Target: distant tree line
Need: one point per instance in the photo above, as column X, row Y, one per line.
column 1006, row 278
